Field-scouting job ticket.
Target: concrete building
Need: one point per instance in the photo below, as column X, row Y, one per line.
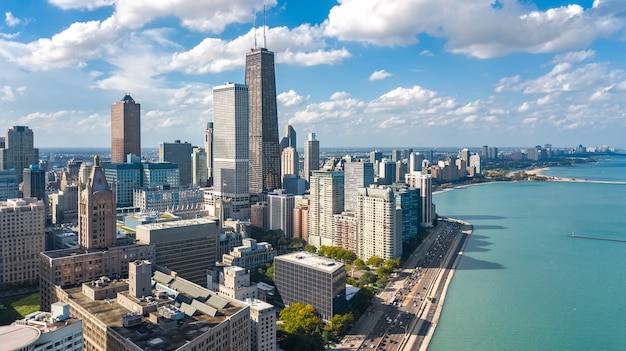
column 346, row 231
column 125, row 129
column 262, row 325
column 199, row 170
column 99, row 253
column 280, row 212
column 34, row 182
column 259, row 215
column 123, row 178
column 22, row 238
column 250, row 255
column 309, row 278
column 379, row 224
column 294, row 184
column 231, row 147
column 301, row 220
column 311, row 157
column 63, row 205
column 264, row 144
column 164, row 174
column 179, row 154
column 235, row 283
column 184, row 202
column 289, row 161
column 415, row 162
column 176, row 315
column 44, row 331
column 188, row 247
column 18, row 151
column 357, row 175
column 325, row 200
column 387, row 172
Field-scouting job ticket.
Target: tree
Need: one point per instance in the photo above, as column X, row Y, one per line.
column 359, row 264
column 310, row 248
column 339, row 324
column 367, row 278
column 300, row 318
column 374, row 261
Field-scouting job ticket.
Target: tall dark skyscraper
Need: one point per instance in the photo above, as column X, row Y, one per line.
column 264, row 143
column 180, row 154
column 290, row 138
column 125, row 129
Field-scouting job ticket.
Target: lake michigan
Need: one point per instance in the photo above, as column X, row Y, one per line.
column 523, row 282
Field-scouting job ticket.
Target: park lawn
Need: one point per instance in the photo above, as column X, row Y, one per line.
column 18, row 306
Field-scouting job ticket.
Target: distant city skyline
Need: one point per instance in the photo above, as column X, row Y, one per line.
column 414, row 74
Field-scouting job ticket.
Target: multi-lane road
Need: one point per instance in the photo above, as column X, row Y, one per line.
column 403, row 315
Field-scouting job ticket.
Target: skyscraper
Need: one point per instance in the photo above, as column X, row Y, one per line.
column 34, row 184
column 326, row 200
column 289, row 161
column 18, row 151
column 180, row 154
column 311, row 156
column 230, row 146
column 208, row 148
column 125, row 129
column 290, row 138
column 264, row 146
column 199, row 169
column 96, row 220
column 357, row 175
column 380, row 234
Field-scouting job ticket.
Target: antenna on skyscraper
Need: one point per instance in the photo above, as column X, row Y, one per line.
column 254, row 24
column 264, row 20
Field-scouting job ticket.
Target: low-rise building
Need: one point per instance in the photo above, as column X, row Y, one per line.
column 250, row 255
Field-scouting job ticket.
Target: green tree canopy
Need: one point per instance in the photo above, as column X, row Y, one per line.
column 310, row 248
column 367, row 278
column 359, row 264
column 300, row 318
column 339, row 324
column 374, row 261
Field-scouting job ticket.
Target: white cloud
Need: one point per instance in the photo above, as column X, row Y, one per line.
column 8, row 93
column 379, row 75
column 81, row 4
column 574, row 56
column 11, row 20
column 426, row 53
column 9, row 36
column 476, row 28
column 290, row 99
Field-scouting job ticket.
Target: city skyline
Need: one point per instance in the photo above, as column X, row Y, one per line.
column 414, row 74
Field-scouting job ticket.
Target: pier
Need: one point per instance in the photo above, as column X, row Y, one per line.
column 596, row 238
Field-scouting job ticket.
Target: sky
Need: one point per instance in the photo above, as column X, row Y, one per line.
column 358, row 73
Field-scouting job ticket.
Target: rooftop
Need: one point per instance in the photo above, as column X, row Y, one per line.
column 311, row 260
column 197, row 310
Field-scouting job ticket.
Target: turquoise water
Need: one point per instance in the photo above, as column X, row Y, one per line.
column 608, row 168
column 524, row 283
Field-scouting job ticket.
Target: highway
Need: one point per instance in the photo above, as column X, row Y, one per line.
column 402, row 315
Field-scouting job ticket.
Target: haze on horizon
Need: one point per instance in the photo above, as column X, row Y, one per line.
column 414, row 74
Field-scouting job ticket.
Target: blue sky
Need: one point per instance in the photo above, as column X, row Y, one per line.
column 386, row 73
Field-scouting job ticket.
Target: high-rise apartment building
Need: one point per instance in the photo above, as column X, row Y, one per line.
column 379, row 224
column 231, row 147
column 18, row 151
column 180, row 154
column 280, row 212
column 346, row 231
column 125, row 129
column 325, row 200
column 22, row 238
column 264, row 143
column 415, row 162
column 424, row 182
column 308, row 278
column 34, row 182
column 408, row 201
column 357, row 175
column 262, row 325
column 208, row 148
column 311, row 156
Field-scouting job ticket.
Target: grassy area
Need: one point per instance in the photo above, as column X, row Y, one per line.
column 18, row 306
